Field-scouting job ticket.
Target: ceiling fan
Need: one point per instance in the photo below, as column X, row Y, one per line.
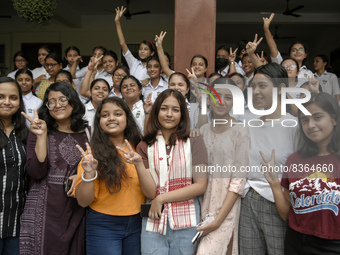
column 127, row 14
column 277, row 37
column 289, row 12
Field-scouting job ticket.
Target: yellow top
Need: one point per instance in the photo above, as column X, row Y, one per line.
column 126, row 202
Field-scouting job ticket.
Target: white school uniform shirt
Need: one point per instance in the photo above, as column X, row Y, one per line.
column 136, row 67
column 77, row 81
column 304, row 72
column 39, row 71
column 194, row 114
column 31, row 102
column 329, row 83
column 89, row 113
column 247, row 80
column 266, row 138
column 113, row 94
column 139, row 115
column 162, row 85
column 225, row 71
column 12, row 74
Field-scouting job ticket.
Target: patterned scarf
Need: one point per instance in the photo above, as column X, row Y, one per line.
column 167, row 178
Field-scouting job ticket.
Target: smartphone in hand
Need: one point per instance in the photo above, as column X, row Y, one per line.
column 145, row 208
column 68, row 185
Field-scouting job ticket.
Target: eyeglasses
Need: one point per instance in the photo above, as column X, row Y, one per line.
column 117, row 75
column 291, row 67
column 296, row 50
column 50, row 65
column 52, row 103
column 20, row 60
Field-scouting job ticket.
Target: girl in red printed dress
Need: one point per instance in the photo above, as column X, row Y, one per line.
column 311, row 197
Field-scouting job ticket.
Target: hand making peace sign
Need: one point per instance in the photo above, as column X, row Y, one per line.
column 89, row 163
column 131, row 156
column 267, row 167
column 38, row 126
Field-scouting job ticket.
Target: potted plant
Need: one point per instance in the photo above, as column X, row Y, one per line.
column 35, row 11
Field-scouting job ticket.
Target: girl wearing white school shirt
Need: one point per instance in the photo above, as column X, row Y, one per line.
column 156, row 84
column 131, row 90
column 99, row 90
column 296, row 51
column 24, row 78
column 328, row 81
column 137, row 66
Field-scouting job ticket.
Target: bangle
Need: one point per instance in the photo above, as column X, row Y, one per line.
column 89, row 180
column 89, row 68
column 146, row 113
column 232, row 63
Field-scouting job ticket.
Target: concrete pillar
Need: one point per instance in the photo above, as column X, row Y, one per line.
column 195, row 32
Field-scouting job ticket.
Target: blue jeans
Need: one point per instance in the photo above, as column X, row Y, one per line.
column 175, row 242
column 112, row 235
column 9, row 246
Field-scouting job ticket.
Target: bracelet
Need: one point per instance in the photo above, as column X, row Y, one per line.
column 89, row 180
column 146, row 113
column 89, row 68
column 232, row 63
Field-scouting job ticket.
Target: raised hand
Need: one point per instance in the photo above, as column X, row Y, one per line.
column 261, row 58
column 191, row 74
column 38, row 126
column 78, row 59
column 119, row 13
column 313, row 84
column 252, row 46
column 148, row 103
column 89, row 163
column 159, row 39
column 40, row 78
column 267, row 21
column 232, row 55
column 267, row 167
column 131, row 156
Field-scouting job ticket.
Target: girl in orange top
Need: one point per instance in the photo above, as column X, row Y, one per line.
column 108, row 185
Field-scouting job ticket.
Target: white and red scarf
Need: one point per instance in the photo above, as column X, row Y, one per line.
column 177, row 175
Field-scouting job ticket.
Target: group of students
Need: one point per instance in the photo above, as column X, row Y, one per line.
column 76, row 174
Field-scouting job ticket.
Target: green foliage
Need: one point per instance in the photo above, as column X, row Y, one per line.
column 35, row 11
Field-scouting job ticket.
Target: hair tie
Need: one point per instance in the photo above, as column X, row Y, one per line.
column 153, row 47
column 183, row 74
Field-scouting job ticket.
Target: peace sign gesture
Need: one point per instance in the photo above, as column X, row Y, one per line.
column 89, row 163
column 159, row 39
column 119, row 13
column 38, row 126
column 232, row 55
column 267, row 21
column 94, row 61
column 191, row 74
column 267, row 167
column 252, row 46
column 262, row 59
column 131, row 156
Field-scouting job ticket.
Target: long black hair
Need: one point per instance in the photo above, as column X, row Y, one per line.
column 77, row 122
column 20, row 128
column 111, row 166
column 308, row 148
